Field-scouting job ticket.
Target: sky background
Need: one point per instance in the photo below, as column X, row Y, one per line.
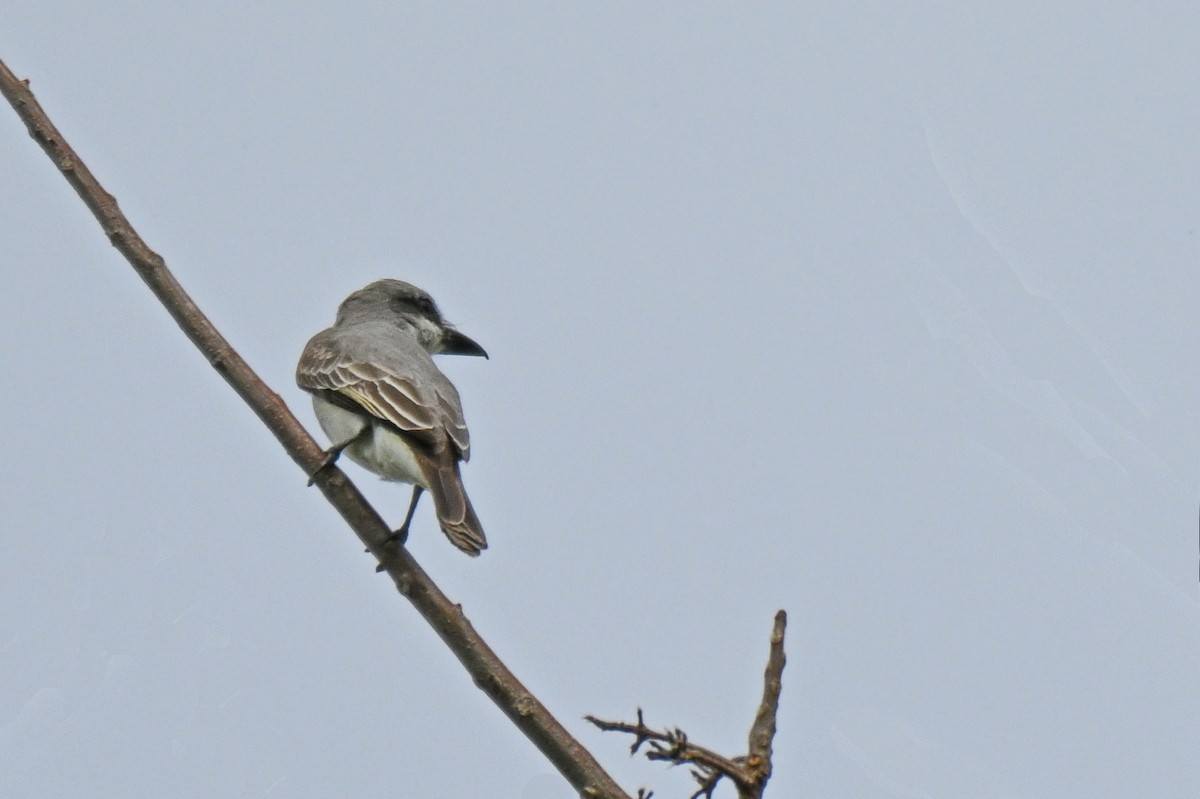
column 881, row 315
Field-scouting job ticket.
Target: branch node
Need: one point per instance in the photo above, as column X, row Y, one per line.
column 748, row 772
column 525, row 705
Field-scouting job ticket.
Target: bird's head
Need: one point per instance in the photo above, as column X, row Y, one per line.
column 407, row 304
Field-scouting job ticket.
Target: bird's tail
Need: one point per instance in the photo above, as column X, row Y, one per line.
column 454, row 512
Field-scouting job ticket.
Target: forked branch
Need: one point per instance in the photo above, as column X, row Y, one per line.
column 749, row 773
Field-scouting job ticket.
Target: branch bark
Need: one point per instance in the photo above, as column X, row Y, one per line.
column 762, row 731
column 749, row 774
column 574, row 762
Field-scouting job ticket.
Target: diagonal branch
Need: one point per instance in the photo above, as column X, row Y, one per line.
column 491, row 675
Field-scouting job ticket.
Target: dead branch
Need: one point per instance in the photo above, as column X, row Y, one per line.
column 574, row 762
column 762, row 732
column 749, row 773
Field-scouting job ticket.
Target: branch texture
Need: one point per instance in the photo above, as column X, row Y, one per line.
column 762, row 732
column 492, row 677
column 749, row 774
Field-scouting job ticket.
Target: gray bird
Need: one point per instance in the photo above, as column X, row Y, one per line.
column 379, row 396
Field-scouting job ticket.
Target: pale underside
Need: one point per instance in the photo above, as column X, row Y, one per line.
column 382, row 451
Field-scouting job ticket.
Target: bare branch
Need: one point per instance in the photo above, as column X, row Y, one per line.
column 669, row 745
column 673, row 746
column 762, row 732
column 750, row 773
column 529, row 715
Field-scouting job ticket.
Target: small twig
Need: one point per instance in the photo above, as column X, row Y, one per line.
column 673, row 746
column 708, row 783
column 750, row 773
column 670, row 745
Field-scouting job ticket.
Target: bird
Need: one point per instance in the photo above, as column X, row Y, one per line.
column 379, row 397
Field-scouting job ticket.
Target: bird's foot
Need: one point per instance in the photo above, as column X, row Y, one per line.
column 399, row 537
column 331, row 456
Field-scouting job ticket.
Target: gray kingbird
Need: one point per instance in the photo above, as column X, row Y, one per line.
column 379, row 396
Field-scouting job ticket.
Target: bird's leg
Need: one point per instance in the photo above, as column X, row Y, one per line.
column 331, row 454
column 401, row 533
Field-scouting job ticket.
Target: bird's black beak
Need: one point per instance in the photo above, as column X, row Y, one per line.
column 455, row 343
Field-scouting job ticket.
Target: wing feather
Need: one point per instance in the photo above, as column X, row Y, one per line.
column 455, row 425
column 431, row 415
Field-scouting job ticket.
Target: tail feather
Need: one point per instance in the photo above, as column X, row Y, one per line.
column 454, row 512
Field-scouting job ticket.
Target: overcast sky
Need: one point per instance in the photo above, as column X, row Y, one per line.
column 886, row 317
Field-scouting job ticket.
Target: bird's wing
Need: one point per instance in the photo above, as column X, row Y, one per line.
column 450, row 409
column 427, row 413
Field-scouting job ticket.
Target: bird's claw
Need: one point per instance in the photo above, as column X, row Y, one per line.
column 330, row 458
column 399, row 537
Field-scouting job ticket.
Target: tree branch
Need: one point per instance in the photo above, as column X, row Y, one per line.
column 673, row 746
column 762, row 731
column 750, row 773
column 574, row 762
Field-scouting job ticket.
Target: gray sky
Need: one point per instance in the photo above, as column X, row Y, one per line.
column 886, row 317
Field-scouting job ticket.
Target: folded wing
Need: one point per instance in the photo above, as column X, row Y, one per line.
column 430, row 414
